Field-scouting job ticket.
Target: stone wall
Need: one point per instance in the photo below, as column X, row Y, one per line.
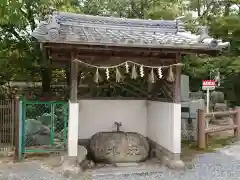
column 189, row 127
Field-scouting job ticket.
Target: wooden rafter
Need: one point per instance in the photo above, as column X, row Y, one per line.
column 80, row 47
column 115, row 60
column 162, row 90
column 126, row 89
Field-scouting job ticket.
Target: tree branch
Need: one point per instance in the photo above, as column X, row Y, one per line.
column 10, row 29
column 30, row 17
column 133, row 7
column 24, row 13
column 208, row 8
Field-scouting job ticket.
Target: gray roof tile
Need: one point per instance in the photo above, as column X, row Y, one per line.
column 77, row 28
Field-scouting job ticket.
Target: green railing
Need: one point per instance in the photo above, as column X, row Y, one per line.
column 43, row 126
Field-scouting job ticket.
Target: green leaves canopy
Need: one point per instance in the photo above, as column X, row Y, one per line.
column 21, row 59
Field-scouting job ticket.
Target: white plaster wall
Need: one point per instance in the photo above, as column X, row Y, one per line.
column 73, row 129
column 164, row 125
column 100, row 115
column 159, row 121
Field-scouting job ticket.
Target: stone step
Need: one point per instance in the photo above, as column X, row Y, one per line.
column 125, row 170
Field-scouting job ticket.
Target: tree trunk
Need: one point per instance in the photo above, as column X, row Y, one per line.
column 227, row 8
column 199, row 8
column 226, row 13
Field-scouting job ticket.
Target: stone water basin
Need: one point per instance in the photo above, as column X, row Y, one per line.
column 119, row 147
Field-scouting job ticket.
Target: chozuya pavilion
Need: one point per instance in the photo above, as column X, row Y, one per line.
column 113, row 47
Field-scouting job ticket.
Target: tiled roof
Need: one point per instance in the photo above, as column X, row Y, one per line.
column 97, row 30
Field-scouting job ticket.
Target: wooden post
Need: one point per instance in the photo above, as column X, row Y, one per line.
column 73, row 111
column 201, row 129
column 16, row 128
column 74, row 81
column 236, row 120
column 177, row 88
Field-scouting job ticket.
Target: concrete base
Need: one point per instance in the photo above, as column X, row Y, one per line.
column 127, row 164
column 70, row 167
column 167, row 158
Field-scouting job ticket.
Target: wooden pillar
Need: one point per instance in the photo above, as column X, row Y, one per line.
column 73, row 112
column 201, row 137
column 177, row 85
column 74, row 81
column 237, row 122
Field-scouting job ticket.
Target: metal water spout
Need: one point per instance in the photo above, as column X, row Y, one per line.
column 118, row 124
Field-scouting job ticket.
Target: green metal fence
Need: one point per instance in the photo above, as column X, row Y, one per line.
column 43, row 126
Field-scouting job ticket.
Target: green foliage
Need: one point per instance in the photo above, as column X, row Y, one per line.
column 21, row 58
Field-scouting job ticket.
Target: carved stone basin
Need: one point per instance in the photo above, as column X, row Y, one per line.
column 119, row 147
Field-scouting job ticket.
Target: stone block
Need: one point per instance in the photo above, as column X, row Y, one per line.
column 217, row 97
column 119, row 147
column 70, row 167
column 82, row 153
column 175, row 164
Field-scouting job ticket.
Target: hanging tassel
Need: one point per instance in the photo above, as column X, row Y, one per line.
column 171, row 75
column 141, row 71
column 134, row 72
column 127, row 67
column 97, row 77
column 151, row 76
column 160, row 75
column 107, row 74
column 118, row 75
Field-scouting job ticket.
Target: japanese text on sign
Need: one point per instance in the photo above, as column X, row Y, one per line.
column 208, row 83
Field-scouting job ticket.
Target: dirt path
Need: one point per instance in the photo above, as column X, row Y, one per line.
column 222, row 164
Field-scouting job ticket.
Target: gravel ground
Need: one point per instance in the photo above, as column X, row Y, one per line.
column 206, row 167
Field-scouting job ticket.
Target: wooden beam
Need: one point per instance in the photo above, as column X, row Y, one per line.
column 220, row 114
column 236, row 121
column 110, row 59
column 111, row 47
column 74, row 80
column 161, row 86
column 116, row 53
column 153, row 89
column 122, row 87
column 221, row 128
column 201, row 129
column 137, row 89
column 177, row 84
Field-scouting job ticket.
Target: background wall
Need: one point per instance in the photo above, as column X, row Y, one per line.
column 100, row 115
column 184, row 87
column 193, row 105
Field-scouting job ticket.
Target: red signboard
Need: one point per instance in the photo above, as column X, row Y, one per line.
column 208, row 84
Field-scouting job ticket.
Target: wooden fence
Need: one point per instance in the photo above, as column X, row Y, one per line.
column 9, row 114
column 204, row 130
